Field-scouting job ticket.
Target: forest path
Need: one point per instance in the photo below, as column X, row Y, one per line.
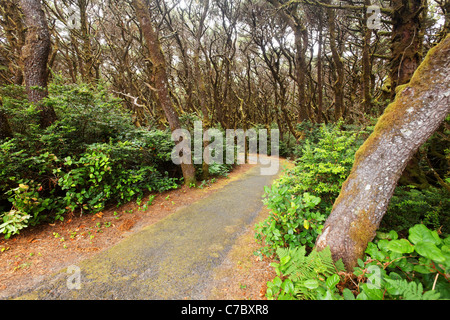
column 173, row 259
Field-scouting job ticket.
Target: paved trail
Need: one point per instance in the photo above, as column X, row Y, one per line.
column 172, row 259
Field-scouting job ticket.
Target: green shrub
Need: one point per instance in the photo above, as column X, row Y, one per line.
column 109, row 171
column 301, row 199
column 416, row 268
column 325, row 164
column 92, row 156
column 410, row 206
column 293, row 220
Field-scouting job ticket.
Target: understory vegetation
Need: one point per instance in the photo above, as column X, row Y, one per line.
column 91, row 158
column 409, row 258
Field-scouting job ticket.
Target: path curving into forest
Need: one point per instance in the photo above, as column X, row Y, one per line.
column 173, row 259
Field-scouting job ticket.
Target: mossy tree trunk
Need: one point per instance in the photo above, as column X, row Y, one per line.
column 35, row 55
column 407, row 40
column 407, row 123
column 156, row 56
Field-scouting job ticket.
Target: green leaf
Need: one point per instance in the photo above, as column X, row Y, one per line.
column 285, row 260
column 400, row 246
column 430, row 251
column 288, row 286
column 393, row 235
column 306, row 224
column 347, row 294
column 420, row 233
column 332, row 281
column 277, row 282
column 372, row 293
column 311, row 284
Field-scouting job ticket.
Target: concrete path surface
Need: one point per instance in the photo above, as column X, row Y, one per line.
column 172, row 259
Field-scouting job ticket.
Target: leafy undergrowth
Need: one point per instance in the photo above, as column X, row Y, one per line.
column 410, row 259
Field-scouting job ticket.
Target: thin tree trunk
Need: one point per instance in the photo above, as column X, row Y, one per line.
column 366, row 66
column 161, row 79
column 201, row 89
column 338, row 65
column 320, row 75
column 407, row 123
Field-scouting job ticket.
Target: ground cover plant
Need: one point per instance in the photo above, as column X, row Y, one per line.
column 409, row 259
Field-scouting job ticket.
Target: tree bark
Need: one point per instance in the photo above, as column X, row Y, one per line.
column 406, row 42
column 35, row 58
column 366, row 65
column 320, row 74
column 338, row 64
column 407, row 123
column 301, row 46
column 156, row 55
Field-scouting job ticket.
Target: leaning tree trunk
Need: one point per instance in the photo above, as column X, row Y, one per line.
column 407, row 123
column 161, row 79
column 35, row 58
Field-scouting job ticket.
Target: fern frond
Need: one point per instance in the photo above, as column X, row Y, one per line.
column 410, row 290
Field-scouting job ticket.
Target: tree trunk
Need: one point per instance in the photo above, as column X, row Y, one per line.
column 320, row 74
column 35, row 58
column 407, row 123
column 161, row 79
column 407, row 39
column 201, row 88
column 338, row 64
column 87, row 67
column 301, row 38
column 366, row 65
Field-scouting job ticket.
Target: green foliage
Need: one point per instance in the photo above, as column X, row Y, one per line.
column 410, row 206
column 109, row 171
column 219, row 169
column 293, row 220
column 413, row 268
column 91, row 157
column 302, row 198
column 307, row 277
column 324, row 163
column 416, row 268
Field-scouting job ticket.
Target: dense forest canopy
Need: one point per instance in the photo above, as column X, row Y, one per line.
column 248, row 62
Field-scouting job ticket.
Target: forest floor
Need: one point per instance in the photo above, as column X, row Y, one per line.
column 30, row 258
